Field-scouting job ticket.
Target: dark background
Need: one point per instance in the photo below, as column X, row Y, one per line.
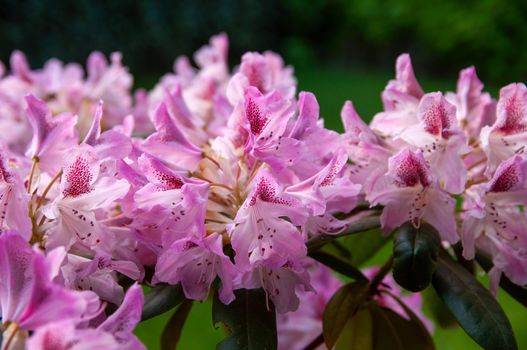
column 442, row 35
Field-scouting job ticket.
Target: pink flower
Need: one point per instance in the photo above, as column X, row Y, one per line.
column 495, row 223
column 179, row 202
column 195, row 262
column 400, row 99
column 28, row 295
column 53, row 136
column 84, row 189
column 367, row 152
column 169, row 143
column 13, row 200
column 442, row 143
column 260, row 233
column 410, row 193
column 507, row 136
column 265, row 119
column 265, row 72
column 281, row 284
column 113, row 334
column 474, row 109
column 299, row 328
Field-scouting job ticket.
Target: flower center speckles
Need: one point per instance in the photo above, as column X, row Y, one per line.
column 4, row 174
column 411, row 172
column 189, row 245
column 267, row 193
column 418, row 206
column 256, row 120
column 78, row 178
column 506, row 180
column 169, row 181
column 513, row 122
column 436, row 120
column 330, row 177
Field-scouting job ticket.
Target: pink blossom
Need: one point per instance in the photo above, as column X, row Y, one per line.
column 495, row 223
column 410, row 193
column 195, row 262
column 442, row 143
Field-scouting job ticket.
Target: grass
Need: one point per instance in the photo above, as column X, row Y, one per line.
column 332, row 87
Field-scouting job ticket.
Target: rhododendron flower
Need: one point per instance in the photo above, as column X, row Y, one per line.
column 13, row 199
column 260, row 233
column 495, row 221
column 506, row 137
column 410, row 193
column 195, row 263
column 53, row 136
column 83, row 190
column 114, row 333
column 29, row 298
column 440, row 140
column 400, row 99
column 216, row 182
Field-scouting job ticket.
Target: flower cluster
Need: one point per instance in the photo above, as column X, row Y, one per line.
column 220, row 176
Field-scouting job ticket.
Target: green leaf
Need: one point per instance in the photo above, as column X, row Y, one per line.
column 161, row 299
column 519, row 293
column 250, row 324
column 364, row 246
column 391, row 331
column 415, row 254
column 339, row 265
column 424, row 339
column 357, row 333
column 473, row 306
column 438, row 309
column 340, row 308
column 174, row 327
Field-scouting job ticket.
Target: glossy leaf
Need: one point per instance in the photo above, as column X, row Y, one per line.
column 161, row 299
column 357, row 333
column 250, row 324
column 438, row 309
column 340, row 308
column 174, row 327
column 415, row 253
column 424, row 338
column 391, row 331
column 473, row 306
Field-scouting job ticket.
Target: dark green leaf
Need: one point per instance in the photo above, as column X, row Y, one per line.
column 517, row 292
column 474, row 307
column 251, row 326
column 161, row 299
column 423, row 337
column 338, row 264
column 174, row 327
column 438, row 309
column 391, row 331
column 357, row 333
column 415, row 254
column 341, row 307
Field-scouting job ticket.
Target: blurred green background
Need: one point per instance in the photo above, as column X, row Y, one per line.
column 340, row 49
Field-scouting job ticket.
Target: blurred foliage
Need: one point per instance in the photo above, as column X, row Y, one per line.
column 442, row 35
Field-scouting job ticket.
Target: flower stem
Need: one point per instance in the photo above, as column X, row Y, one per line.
column 381, row 274
column 31, row 174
